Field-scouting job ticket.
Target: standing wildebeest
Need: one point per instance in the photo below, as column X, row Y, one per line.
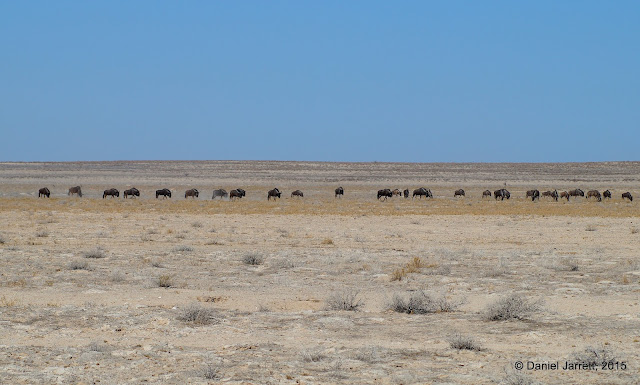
column 396, row 192
column 420, row 192
column 112, row 192
column 193, row 193
column 386, row 193
column 237, row 193
column 339, row 191
column 628, row 196
column 576, row 193
column 502, row 194
column 75, row 190
column 275, row 193
column 595, row 194
column 564, row 194
column 533, row 194
column 459, row 192
column 486, row 193
column 219, row 193
column 44, row 192
column 165, row 192
column 553, row 194
column 406, row 193
column 606, row 194
column 297, row 193
column 134, row 192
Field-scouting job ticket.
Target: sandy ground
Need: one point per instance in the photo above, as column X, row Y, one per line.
column 101, row 291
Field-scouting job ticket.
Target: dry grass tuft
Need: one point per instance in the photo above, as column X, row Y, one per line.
column 327, row 241
column 183, row 248
column 590, row 228
column 312, row 356
column 5, row 302
column 198, row 315
column 346, row 300
column 253, row 259
column 211, row 372
column 596, row 355
column 165, row 280
column 421, row 303
column 78, row 265
column 460, row 342
column 96, row 253
column 42, row 233
column 513, row 306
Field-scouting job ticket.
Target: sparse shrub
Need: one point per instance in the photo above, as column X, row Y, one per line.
column 180, row 236
column 165, row 281
column 5, row 302
column 253, row 259
column 95, row 253
column 312, row 356
column 156, row 263
column 117, row 276
column 596, row 355
column 78, row 265
column 421, row 303
column 96, row 346
column 152, row 231
column 369, row 355
column 42, row 234
column 398, row 274
column 327, row 241
column 460, row 342
column 346, row 300
column 198, row 315
column 590, row 228
column 197, row 225
column 517, row 378
column 2, row 240
column 513, row 306
column 183, row 248
column 570, row 264
column 211, row 372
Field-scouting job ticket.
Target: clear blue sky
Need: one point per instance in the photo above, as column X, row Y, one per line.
column 408, row 81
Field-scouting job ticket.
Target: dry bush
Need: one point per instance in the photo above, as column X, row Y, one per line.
column 117, row 276
column 5, row 302
column 253, row 259
column 460, row 342
column 590, row 228
column 78, row 265
column 183, row 248
column 211, row 372
column 95, row 253
column 156, row 263
column 421, row 302
column 312, row 356
column 96, row 346
column 197, row 225
column 2, row 239
column 346, row 300
column 514, row 306
column 596, row 355
column 198, row 315
column 327, row 241
column 369, row 355
column 42, row 234
column 165, row 280
column 517, row 378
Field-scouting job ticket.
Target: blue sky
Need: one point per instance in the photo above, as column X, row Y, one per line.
column 410, row 81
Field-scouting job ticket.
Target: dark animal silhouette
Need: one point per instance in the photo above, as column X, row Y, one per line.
column 44, row 192
column 385, row 193
column 420, row 192
column 565, row 194
column 297, row 193
column 75, row 190
column 459, row 192
column 406, row 193
column 606, row 194
column 339, row 191
column 275, row 193
column 553, row 194
column 534, row 194
column 576, row 193
column 134, row 192
column 486, row 193
column 595, row 194
column 193, row 193
column 628, row 196
column 165, row 192
column 237, row 194
column 502, row 194
column 219, row 193
column 112, row 192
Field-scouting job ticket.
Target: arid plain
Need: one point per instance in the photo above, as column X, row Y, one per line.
column 317, row 290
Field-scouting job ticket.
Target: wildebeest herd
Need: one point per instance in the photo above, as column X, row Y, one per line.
column 382, row 195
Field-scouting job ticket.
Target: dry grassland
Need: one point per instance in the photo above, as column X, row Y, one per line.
column 318, row 290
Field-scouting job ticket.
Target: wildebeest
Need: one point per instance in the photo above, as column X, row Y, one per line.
column 134, row 192
column 386, row 193
column 396, row 192
column 595, row 194
column 275, row 193
column 165, row 192
column 576, row 193
column 112, row 192
column 237, row 193
column 406, row 193
column 503, row 194
column 564, row 194
column 534, row 194
column 606, row 194
column 75, row 190
column 44, row 192
column 458, row 192
column 297, row 193
column 193, row 193
column 339, row 191
column 219, row 193
column 553, row 194
column 420, row 192
column 628, row 196
column 486, row 193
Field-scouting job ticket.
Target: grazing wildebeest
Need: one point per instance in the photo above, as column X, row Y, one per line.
column 486, row 193
column 534, row 194
column 564, row 194
column 165, row 192
column 396, row 192
column 459, row 192
column 553, row 194
column 275, row 193
column 576, row 193
column 297, row 193
column 44, row 192
column 386, row 193
column 193, row 193
column 502, row 194
column 134, row 192
column 406, row 193
column 628, row 196
column 219, row 193
column 595, row 194
column 339, row 191
column 112, row 192
column 75, row 190
column 237, row 193
column 606, row 194
column 420, row 192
